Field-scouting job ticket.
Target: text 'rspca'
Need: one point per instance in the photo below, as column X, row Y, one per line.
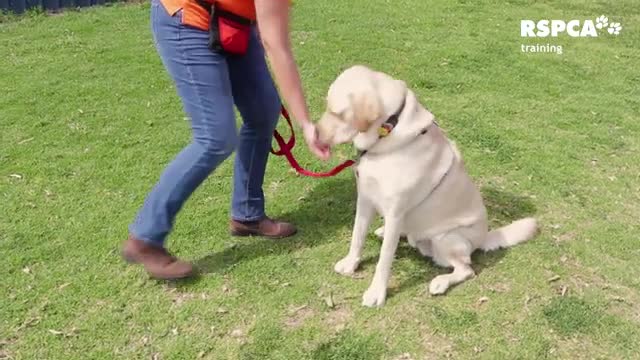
column 572, row 28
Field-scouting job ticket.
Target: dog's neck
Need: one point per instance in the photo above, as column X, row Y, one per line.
column 408, row 122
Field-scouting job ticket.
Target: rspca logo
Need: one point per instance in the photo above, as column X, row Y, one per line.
column 572, row 28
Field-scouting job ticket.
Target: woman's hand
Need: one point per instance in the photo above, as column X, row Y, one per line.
column 318, row 148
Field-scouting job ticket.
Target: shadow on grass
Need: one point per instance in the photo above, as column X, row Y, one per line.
column 503, row 208
column 329, row 206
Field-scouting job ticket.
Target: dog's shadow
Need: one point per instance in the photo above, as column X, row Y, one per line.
column 329, row 206
column 502, row 207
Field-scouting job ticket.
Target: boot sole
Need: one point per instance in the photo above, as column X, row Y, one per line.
column 247, row 233
column 172, row 277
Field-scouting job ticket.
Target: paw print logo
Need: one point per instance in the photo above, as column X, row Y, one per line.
column 602, row 22
column 614, row 28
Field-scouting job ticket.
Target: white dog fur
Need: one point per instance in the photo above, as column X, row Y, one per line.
column 416, row 181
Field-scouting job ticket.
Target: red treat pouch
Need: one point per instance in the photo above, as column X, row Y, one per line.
column 234, row 32
column 228, row 33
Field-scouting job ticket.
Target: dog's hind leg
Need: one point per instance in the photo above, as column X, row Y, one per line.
column 414, row 241
column 451, row 250
column 379, row 232
column 423, row 246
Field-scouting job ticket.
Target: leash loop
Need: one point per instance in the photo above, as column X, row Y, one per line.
column 286, row 150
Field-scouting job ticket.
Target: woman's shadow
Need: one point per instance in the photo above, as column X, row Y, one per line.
column 329, row 206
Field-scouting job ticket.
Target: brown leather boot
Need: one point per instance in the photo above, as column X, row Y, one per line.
column 266, row 227
column 156, row 260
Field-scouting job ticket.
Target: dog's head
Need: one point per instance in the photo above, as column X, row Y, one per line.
column 358, row 102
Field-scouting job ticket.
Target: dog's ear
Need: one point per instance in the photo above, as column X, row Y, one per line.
column 366, row 108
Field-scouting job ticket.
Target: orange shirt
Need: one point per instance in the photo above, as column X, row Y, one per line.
column 194, row 15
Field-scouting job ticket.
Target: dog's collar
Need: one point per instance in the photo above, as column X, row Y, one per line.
column 386, row 127
column 361, row 153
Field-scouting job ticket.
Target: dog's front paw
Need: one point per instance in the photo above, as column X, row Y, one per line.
column 347, row 266
column 438, row 285
column 379, row 232
column 374, row 296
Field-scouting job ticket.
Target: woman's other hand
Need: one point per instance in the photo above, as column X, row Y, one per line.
column 273, row 23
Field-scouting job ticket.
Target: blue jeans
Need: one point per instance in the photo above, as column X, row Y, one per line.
column 209, row 85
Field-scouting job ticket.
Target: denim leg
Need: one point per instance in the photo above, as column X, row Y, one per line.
column 258, row 102
column 202, row 81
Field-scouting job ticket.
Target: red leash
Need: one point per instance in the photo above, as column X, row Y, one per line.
column 286, row 148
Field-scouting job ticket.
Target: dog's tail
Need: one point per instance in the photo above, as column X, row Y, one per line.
column 510, row 235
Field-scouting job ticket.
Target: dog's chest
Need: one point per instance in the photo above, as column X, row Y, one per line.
column 385, row 182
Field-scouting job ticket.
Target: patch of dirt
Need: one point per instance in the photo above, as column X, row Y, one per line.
column 579, row 347
column 405, row 356
column 623, row 302
column 273, row 187
column 226, row 288
column 302, row 36
column 338, row 318
column 297, row 315
column 4, row 353
column 499, row 287
column 564, row 237
column 179, row 298
column 238, row 332
column 624, row 308
column 437, row 347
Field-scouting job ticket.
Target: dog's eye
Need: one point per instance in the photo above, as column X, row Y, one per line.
column 338, row 116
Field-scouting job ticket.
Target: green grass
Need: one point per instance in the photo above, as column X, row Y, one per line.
column 89, row 118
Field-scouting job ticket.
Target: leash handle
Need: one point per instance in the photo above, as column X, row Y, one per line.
column 284, row 145
column 286, row 148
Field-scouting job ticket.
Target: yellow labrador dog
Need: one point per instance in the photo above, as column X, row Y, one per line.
column 412, row 175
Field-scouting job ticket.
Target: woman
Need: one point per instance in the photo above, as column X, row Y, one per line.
column 210, row 83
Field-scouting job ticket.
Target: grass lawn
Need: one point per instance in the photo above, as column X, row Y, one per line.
column 89, row 118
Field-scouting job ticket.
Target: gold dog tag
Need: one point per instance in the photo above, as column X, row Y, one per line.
column 384, row 130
